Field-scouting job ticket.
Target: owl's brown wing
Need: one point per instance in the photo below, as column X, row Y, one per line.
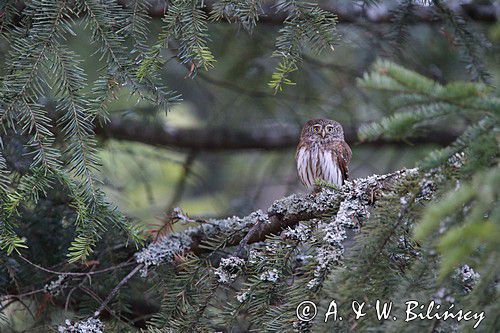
column 341, row 153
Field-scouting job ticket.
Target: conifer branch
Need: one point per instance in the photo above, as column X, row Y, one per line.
column 113, row 49
column 76, row 119
column 306, row 25
column 25, row 81
column 139, row 19
column 4, row 173
column 353, row 12
column 472, row 43
column 422, row 100
column 348, row 207
column 246, row 13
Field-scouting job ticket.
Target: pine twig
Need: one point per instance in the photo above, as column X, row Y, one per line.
column 75, row 273
column 116, row 289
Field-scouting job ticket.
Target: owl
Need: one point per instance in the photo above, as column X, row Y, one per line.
column 322, row 153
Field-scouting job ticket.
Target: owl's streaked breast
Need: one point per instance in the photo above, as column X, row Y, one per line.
column 317, row 163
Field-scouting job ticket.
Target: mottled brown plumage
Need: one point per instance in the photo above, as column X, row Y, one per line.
column 322, row 153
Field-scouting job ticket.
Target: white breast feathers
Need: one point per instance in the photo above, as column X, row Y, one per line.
column 316, row 163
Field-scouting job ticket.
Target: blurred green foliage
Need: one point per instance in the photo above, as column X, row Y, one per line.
column 234, row 76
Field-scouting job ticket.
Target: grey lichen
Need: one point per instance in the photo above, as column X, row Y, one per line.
column 334, row 233
column 242, row 296
column 228, row 269
column 300, row 232
column 179, row 215
column 253, row 256
column 258, row 216
column 457, row 160
column 443, row 295
column 427, row 189
column 330, row 251
column 329, row 211
column 163, row 250
column 90, row 325
column 356, row 198
column 323, row 201
column 55, row 286
column 270, row 275
column 359, row 194
column 467, row 276
column 289, row 205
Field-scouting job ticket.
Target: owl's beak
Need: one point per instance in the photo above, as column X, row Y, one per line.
column 323, row 133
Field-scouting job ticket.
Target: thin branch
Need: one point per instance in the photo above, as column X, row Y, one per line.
column 19, row 296
column 116, row 289
column 181, row 183
column 76, row 273
column 96, row 298
column 68, row 297
column 244, row 242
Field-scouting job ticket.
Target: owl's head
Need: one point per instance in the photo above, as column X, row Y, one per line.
column 323, row 130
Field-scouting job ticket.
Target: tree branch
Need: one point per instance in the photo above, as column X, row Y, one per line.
column 116, row 289
column 223, row 138
column 351, row 12
column 349, row 205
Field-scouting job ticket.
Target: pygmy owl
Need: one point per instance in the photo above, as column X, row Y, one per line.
column 322, row 153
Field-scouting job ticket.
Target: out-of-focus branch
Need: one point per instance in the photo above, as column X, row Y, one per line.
column 223, row 138
column 352, row 12
column 181, row 182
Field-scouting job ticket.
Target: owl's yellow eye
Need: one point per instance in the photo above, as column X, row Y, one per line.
column 316, row 129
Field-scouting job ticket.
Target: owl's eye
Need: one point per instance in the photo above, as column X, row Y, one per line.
column 329, row 129
column 316, row 129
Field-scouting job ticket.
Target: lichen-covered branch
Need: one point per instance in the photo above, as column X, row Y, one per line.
column 349, row 204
